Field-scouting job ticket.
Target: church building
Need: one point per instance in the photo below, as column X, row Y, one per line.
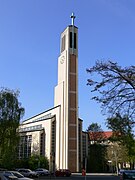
column 57, row 132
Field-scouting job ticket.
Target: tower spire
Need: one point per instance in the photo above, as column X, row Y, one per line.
column 72, row 18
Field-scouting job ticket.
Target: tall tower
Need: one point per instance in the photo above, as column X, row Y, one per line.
column 66, row 95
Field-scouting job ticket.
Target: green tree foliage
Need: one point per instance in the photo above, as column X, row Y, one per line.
column 32, row 162
column 95, row 132
column 36, row 161
column 96, row 159
column 121, row 126
column 115, row 87
column 10, row 115
column 122, row 133
column 94, row 127
column 97, row 152
column 21, row 163
column 117, row 155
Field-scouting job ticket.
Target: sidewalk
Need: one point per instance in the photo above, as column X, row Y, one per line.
column 93, row 174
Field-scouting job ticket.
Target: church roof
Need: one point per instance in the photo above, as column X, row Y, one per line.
column 42, row 113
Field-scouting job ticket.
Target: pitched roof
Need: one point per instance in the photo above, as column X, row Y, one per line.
column 104, row 135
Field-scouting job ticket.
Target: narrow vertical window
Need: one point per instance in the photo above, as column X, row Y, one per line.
column 42, row 143
column 63, row 43
column 75, row 40
column 53, row 143
column 70, row 39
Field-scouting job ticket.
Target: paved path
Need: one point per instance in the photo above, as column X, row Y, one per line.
column 78, row 176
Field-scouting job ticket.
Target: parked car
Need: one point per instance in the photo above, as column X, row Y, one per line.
column 42, row 172
column 121, row 171
column 4, row 177
column 3, row 169
column 127, row 174
column 28, row 172
column 63, row 172
column 17, row 174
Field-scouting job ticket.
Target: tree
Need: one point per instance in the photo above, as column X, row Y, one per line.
column 97, row 151
column 10, row 115
column 96, row 159
column 116, row 155
column 94, row 127
column 36, row 161
column 120, row 125
column 116, row 86
column 123, row 134
column 96, row 133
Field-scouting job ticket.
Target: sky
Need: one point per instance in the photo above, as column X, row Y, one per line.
column 30, row 46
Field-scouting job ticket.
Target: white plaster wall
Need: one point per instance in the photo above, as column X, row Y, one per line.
column 62, row 61
column 46, row 124
column 59, row 99
column 58, row 94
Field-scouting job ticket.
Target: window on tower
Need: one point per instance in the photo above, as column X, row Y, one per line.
column 63, row 43
column 72, row 40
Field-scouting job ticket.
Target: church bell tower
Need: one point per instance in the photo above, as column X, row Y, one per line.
column 66, row 95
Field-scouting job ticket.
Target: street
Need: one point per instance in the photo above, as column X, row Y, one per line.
column 79, row 177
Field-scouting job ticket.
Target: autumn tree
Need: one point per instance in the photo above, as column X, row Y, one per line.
column 115, row 87
column 10, row 115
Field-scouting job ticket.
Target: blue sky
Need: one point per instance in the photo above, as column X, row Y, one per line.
column 30, row 45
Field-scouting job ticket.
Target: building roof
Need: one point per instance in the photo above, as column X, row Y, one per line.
column 41, row 113
column 103, row 135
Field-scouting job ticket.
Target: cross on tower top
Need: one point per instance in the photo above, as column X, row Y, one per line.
column 72, row 17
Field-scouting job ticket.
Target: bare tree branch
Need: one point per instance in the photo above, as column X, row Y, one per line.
column 115, row 87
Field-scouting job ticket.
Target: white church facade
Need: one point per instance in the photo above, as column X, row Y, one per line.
column 57, row 132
